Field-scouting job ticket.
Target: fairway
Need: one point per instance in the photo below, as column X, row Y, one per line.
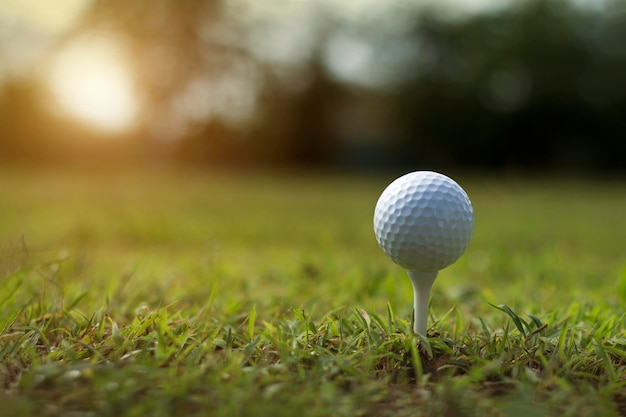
column 194, row 293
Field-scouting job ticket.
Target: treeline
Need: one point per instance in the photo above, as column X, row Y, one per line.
column 537, row 86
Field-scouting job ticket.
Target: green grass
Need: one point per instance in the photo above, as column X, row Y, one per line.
column 193, row 294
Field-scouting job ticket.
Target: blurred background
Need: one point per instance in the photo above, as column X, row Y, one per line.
column 506, row 85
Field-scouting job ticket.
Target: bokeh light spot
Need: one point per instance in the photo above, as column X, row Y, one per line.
column 90, row 80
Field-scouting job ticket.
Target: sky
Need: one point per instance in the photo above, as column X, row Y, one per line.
column 28, row 26
column 39, row 15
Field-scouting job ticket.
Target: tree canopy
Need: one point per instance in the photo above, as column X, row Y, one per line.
column 538, row 84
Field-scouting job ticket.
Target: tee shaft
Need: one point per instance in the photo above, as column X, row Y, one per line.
column 422, row 283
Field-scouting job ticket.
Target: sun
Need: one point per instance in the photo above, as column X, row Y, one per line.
column 90, row 80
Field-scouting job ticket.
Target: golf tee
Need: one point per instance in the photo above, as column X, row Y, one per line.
column 422, row 283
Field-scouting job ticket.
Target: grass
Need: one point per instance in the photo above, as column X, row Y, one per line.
column 188, row 294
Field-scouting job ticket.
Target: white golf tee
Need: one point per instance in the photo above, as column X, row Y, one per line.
column 422, row 283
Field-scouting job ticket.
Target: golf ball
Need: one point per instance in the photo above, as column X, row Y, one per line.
column 423, row 221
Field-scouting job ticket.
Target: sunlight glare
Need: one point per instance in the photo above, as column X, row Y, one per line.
column 90, row 81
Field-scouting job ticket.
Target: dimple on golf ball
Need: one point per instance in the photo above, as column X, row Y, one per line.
column 423, row 221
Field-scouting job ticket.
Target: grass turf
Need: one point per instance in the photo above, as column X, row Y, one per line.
column 165, row 294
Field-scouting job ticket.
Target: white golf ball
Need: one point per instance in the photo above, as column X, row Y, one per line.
column 424, row 221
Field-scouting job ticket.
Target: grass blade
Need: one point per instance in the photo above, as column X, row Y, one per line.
column 517, row 320
column 251, row 322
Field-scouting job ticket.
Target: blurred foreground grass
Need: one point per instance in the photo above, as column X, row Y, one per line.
column 175, row 293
